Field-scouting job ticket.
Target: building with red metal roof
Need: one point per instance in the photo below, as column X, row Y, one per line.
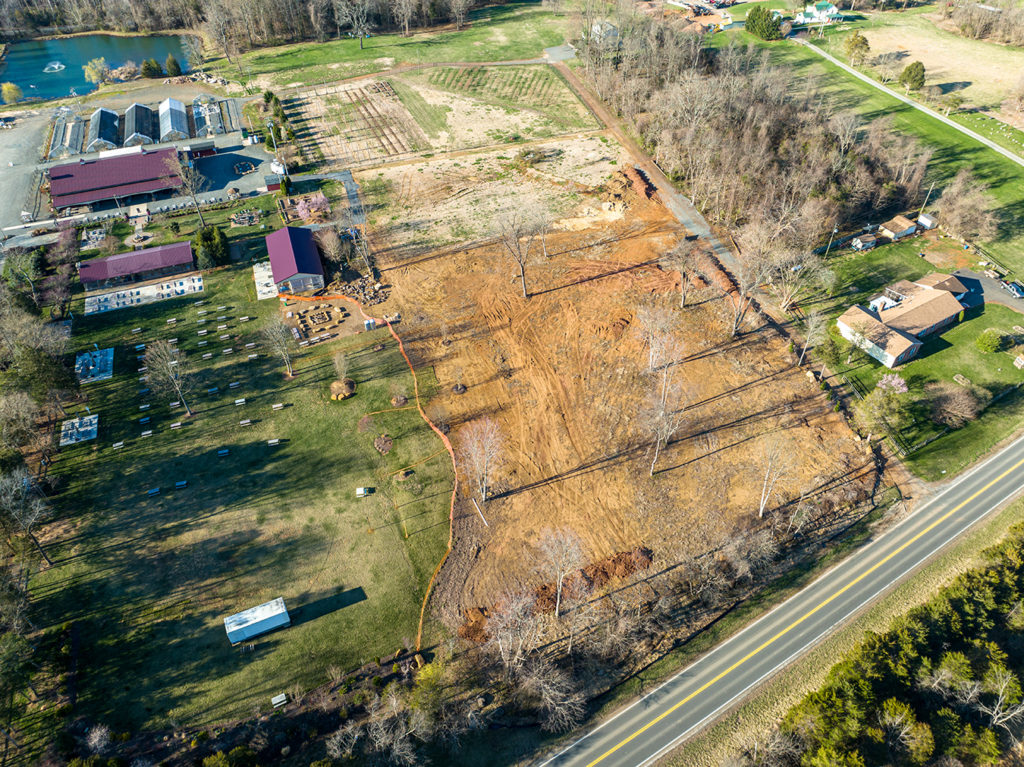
column 113, row 178
column 295, row 260
column 137, row 266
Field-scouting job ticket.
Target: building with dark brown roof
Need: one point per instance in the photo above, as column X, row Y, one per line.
column 137, row 266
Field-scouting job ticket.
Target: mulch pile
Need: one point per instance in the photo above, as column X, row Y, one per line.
column 590, row 578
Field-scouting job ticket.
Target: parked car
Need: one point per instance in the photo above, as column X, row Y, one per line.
column 1015, row 289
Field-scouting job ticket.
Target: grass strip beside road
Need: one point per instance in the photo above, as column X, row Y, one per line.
column 771, row 701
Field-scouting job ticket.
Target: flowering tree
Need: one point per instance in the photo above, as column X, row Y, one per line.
column 892, row 383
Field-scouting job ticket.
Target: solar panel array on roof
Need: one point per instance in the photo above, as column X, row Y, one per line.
column 103, row 133
column 140, row 125
column 173, row 120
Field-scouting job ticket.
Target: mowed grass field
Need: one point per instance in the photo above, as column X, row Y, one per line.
column 148, row 581
column 498, row 33
column 983, row 72
column 952, row 149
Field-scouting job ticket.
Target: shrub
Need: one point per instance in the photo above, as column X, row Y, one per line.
column 989, row 341
column 172, row 66
column 175, row 227
column 268, row 96
column 211, row 247
column 377, row 682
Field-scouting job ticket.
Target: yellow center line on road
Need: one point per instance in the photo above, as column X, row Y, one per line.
column 803, row 617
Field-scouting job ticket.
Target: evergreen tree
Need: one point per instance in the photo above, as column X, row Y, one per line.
column 151, row 68
column 761, row 24
column 172, row 66
column 912, row 77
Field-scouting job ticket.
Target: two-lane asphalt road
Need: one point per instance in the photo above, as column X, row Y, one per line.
column 650, row 727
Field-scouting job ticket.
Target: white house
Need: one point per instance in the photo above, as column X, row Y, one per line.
column 864, row 242
column 898, row 228
column 891, row 327
column 822, row 12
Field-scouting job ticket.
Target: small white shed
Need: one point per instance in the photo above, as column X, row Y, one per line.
column 927, row 221
column 256, row 621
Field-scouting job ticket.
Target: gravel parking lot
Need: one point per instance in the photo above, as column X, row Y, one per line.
column 20, row 149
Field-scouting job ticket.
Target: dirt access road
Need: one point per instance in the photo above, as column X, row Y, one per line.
column 676, row 203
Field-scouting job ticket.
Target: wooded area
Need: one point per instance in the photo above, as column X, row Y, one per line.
column 942, row 686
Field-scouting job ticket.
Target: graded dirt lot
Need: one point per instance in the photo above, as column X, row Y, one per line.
column 564, row 374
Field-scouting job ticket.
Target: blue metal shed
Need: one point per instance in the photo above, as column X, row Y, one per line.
column 256, row 621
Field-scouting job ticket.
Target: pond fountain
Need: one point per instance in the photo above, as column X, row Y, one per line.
column 54, row 66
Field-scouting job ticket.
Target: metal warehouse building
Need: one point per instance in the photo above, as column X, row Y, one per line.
column 256, row 621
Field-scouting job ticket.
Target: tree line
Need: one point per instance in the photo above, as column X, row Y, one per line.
column 234, row 26
column 941, row 687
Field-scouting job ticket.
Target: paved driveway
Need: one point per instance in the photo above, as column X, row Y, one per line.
column 19, row 151
column 984, row 289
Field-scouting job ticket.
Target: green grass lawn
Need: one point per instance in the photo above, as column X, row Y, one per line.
column 497, row 33
column 740, row 10
column 953, row 150
column 242, row 237
column 943, row 356
column 149, row 580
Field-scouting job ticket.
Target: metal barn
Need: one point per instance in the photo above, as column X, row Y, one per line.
column 255, row 621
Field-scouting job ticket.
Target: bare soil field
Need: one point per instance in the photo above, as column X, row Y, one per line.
column 563, row 373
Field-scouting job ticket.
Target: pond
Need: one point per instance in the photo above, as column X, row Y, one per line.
column 51, row 68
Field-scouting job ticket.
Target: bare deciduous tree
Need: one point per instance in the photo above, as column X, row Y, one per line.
column 355, row 14
column 342, row 742
column 517, row 232
column 774, row 466
column 18, row 413
column 561, row 555
column 22, row 504
column 815, row 324
column 555, row 694
column 966, row 208
column 278, row 336
column 403, row 11
column 953, row 405
column 192, row 182
column 331, row 247
column 168, row 371
column 682, row 258
column 513, row 629
column 482, row 447
column 458, row 10
column 97, row 740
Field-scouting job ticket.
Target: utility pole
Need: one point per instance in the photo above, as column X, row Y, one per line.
column 926, row 198
column 835, row 229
